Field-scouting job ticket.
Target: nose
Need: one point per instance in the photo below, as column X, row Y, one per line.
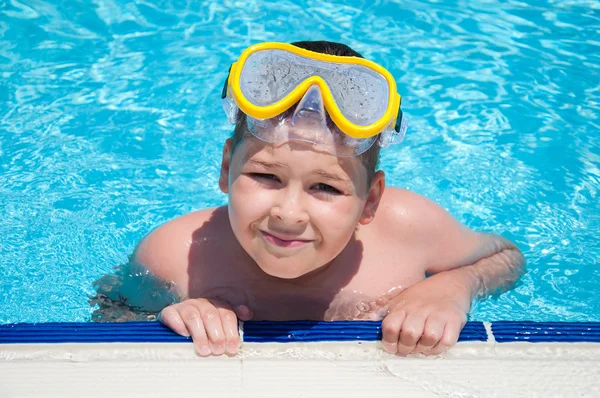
column 290, row 207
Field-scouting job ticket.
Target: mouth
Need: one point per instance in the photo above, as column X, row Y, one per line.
column 283, row 241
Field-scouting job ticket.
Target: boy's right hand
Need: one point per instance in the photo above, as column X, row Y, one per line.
column 211, row 323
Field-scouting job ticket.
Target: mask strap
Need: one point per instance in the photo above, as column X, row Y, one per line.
column 226, row 84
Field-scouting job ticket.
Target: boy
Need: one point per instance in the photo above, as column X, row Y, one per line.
column 310, row 231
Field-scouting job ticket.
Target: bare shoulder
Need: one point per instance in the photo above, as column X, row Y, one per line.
column 407, row 213
column 166, row 251
column 426, row 227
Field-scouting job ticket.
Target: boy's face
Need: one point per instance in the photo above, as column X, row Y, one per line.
column 294, row 209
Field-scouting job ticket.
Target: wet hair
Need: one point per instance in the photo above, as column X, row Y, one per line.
column 369, row 158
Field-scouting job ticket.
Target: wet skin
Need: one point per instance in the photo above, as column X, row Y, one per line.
column 305, row 237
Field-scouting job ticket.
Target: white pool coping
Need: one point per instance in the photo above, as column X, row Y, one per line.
column 346, row 369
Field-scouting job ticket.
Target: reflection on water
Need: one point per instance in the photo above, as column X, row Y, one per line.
column 111, row 124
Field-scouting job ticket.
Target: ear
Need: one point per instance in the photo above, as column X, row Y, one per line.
column 373, row 198
column 225, row 164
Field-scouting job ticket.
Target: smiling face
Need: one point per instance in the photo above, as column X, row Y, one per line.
column 294, row 209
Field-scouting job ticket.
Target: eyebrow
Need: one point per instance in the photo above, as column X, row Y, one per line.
column 330, row 176
column 319, row 172
column 268, row 165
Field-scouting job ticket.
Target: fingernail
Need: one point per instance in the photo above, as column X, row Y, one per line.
column 389, row 347
column 232, row 348
column 204, row 351
column 217, row 349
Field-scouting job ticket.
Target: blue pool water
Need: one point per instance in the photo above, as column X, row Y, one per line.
column 111, row 124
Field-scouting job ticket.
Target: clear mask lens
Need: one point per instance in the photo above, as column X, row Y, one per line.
column 361, row 94
column 308, row 122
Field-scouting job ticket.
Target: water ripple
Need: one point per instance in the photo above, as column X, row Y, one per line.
column 110, row 124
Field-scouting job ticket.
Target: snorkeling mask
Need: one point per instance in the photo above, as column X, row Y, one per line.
column 359, row 96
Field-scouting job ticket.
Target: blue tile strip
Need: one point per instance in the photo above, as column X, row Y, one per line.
column 305, row 331
column 128, row 332
column 154, row 332
column 295, row 331
column 555, row 332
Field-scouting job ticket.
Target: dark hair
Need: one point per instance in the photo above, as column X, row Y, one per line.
column 369, row 158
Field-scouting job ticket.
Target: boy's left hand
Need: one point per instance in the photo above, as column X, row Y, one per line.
column 426, row 318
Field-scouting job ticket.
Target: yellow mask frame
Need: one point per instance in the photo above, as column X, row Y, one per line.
column 232, row 88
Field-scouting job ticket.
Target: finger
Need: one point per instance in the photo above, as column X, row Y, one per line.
column 432, row 333
column 244, row 312
column 171, row 318
column 213, row 325
column 190, row 313
column 390, row 329
column 230, row 328
column 449, row 338
column 411, row 332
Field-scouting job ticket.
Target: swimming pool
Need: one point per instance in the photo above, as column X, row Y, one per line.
column 111, row 124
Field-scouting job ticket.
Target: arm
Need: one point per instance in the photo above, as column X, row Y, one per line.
column 462, row 264
column 167, row 254
column 481, row 264
column 493, row 267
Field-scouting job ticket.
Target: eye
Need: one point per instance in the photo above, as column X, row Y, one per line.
column 264, row 177
column 327, row 189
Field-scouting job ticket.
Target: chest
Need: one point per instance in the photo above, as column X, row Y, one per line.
column 367, row 295
column 361, row 283
column 320, row 303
